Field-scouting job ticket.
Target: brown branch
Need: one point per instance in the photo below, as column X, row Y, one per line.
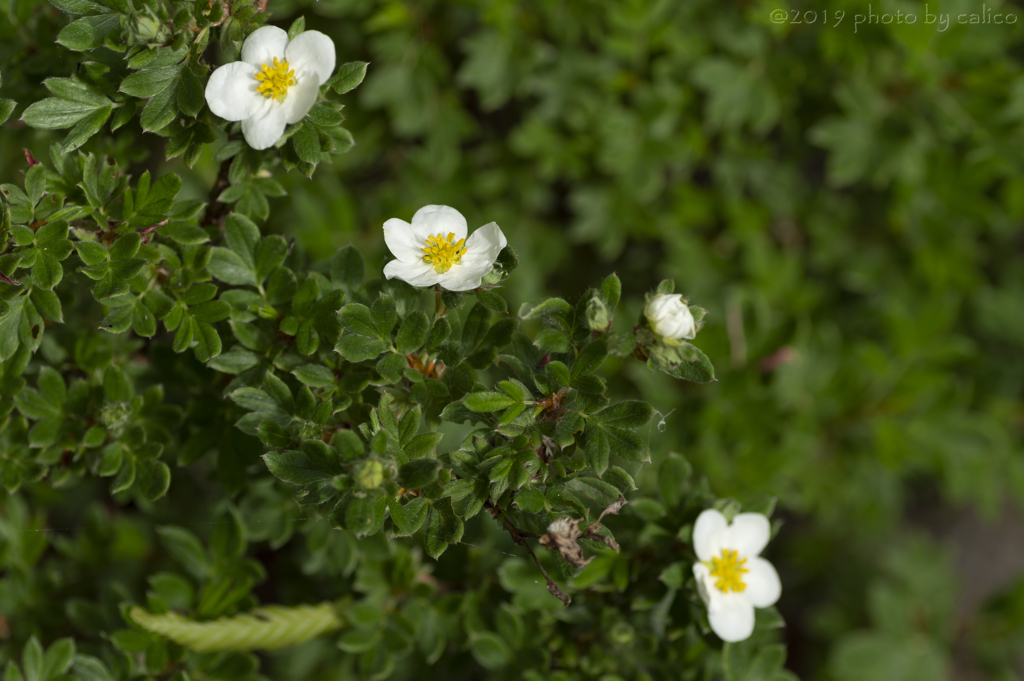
column 519, row 538
column 215, row 210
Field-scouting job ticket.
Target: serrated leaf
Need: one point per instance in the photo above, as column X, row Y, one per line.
column 349, row 76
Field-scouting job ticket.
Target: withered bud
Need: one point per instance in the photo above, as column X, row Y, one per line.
column 564, row 534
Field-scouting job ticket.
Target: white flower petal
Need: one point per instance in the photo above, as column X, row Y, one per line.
column 402, row 241
column 464, row 277
column 482, row 249
column 704, row 587
column 762, row 582
column 263, row 45
column 300, row 98
column 433, row 220
column 707, row 532
column 312, row 51
column 731, row 617
column 748, row 534
column 231, row 91
column 415, row 274
column 484, row 245
column 265, row 126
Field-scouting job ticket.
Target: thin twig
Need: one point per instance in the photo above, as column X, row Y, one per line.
column 215, row 210
column 519, row 538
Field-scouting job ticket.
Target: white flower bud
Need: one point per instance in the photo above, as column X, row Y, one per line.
column 670, row 318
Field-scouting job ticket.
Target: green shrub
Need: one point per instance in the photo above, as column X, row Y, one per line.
column 845, row 203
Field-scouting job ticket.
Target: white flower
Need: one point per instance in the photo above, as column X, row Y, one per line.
column 276, row 83
column 731, row 578
column 434, row 249
column 670, row 317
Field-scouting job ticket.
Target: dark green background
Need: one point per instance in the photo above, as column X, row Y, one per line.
column 846, row 204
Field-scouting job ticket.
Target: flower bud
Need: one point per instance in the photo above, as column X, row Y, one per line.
column 670, row 318
column 370, row 475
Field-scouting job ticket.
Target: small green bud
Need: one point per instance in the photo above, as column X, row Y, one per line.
column 267, row 312
column 598, row 316
column 370, row 475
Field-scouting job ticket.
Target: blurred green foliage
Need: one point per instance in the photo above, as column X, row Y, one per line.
column 847, row 205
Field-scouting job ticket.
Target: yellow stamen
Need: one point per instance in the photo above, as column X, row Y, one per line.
column 729, row 571
column 443, row 251
column 275, row 80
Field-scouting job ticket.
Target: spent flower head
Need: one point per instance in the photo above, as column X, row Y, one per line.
column 275, row 84
column 434, row 249
column 731, row 576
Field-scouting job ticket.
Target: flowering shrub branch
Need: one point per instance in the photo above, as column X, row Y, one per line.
column 320, row 397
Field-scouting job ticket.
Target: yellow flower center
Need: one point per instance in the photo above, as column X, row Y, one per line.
column 729, row 571
column 443, row 251
column 275, row 80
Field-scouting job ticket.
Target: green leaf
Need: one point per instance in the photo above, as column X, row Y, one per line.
column 365, row 515
column 79, row 6
column 91, row 253
column 185, row 548
column 673, row 475
column 359, row 348
column 392, row 367
column 590, row 358
column 622, row 480
column 272, row 434
column 48, row 304
column 56, row 113
column 408, row 519
column 307, row 144
column 596, row 490
column 384, row 317
column 145, row 84
column 349, row 76
column 530, row 500
column 490, row 650
column 355, row 318
column 598, row 450
column 699, row 370
column 487, row 401
column 89, row 668
column 126, row 246
column 611, row 289
column 190, row 93
column 87, row 33
column 630, row 414
column 359, row 640
column 208, row 343
column 125, row 476
column 551, row 306
column 297, row 27
column 418, row 473
column 296, row 467
column 492, row 301
column 242, row 236
column 269, row 256
column 86, row 128
column 47, row 272
column 423, row 445
column 185, row 234
column 230, row 268
column 314, row 375
column 32, row 660
column 160, row 111
column 153, row 478
column 325, row 116
column 412, row 334
column 7, row 107
column 348, row 268
column 58, row 658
